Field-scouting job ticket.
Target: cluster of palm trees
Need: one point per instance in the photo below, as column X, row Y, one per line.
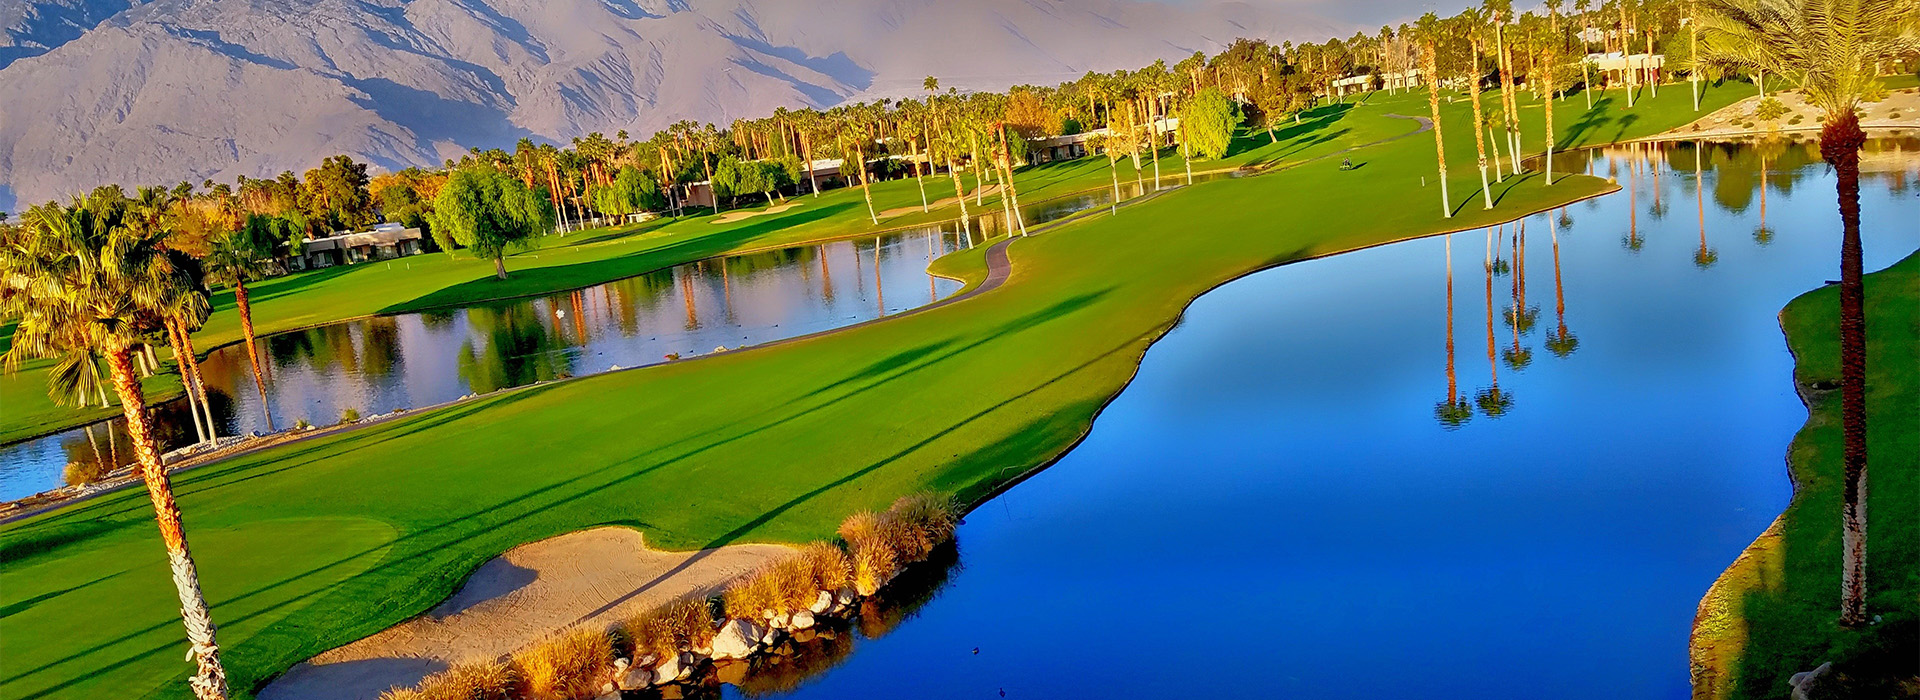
column 99, row 282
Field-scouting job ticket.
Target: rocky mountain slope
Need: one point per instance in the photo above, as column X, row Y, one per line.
column 135, row 91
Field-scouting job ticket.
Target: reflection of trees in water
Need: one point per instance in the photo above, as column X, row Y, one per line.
column 518, row 349
column 1452, row 412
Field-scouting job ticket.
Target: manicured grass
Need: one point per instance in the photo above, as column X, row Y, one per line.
column 29, row 412
column 770, row 444
column 1789, row 615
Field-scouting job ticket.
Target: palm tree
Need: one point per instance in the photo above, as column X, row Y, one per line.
column 236, row 259
column 1430, row 34
column 1472, row 21
column 1831, row 48
column 85, row 284
column 1586, row 73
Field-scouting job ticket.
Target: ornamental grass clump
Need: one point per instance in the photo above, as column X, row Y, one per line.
column 482, row 680
column 790, row 584
column 665, row 631
column 881, row 543
column 571, row 666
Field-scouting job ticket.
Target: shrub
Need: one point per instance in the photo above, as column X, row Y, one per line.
column 667, row 630
column 567, row 667
column 928, row 519
column 350, row 415
column 84, row 472
column 302, row 424
column 790, row 584
column 1770, row 108
column 485, row 680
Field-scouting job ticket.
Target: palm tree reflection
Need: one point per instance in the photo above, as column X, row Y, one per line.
column 1454, row 411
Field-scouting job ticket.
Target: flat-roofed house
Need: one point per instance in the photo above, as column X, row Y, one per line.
column 384, row 242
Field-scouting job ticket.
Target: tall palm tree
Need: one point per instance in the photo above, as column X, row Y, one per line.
column 1831, row 48
column 1472, row 24
column 86, row 284
column 236, row 259
column 1586, row 72
column 1430, row 35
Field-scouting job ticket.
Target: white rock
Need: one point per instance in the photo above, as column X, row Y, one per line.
column 767, row 637
column 802, row 620
column 621, row 664
column 737, row 639
column 821, row 603
column 669, row 670
column 635, row 679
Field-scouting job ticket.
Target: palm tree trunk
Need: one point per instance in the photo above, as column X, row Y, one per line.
column 199, row 380
column 1479, row 125
column 1548, row 106
column 1840, row 143
column 917, row 182
column 253, row 353
column 210, row 683
column 1013, row 193
column 186, row 378
column 960, row 194
column 1113, row 168
column 1440, row 151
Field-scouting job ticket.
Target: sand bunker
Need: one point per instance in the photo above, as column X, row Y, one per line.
column 592, row 577
column 743, row 215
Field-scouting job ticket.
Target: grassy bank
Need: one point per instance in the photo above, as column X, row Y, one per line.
column 1774, row 613
column 306, row 547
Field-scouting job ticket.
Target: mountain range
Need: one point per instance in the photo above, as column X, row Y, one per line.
column 159, row 91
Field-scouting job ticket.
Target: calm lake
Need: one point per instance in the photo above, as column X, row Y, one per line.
column 383, row 363
column 1270, row 513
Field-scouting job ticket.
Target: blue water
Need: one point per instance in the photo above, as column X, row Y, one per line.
column 1271, row 508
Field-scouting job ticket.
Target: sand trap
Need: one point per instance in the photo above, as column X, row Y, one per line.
column 915, row 209
column 743, row 215
column 592, row 577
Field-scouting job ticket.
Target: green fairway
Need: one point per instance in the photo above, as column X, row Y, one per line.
column 770, row 444
column 1790, row 618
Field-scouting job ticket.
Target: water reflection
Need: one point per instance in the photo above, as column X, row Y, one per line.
column 1307, row 490
column 379, row 364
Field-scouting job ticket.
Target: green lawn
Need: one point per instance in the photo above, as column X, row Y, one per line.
column 28, row 412
column 770, row 444
column 1790, row 617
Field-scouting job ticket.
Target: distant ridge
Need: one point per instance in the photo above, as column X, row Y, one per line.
column 139, row 92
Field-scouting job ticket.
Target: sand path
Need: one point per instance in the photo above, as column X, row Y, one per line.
column 591, row 577
column 743, row 214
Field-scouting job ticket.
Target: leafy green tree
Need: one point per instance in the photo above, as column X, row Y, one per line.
column 336, row 194
column 489, row 211
column 1209, row 120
